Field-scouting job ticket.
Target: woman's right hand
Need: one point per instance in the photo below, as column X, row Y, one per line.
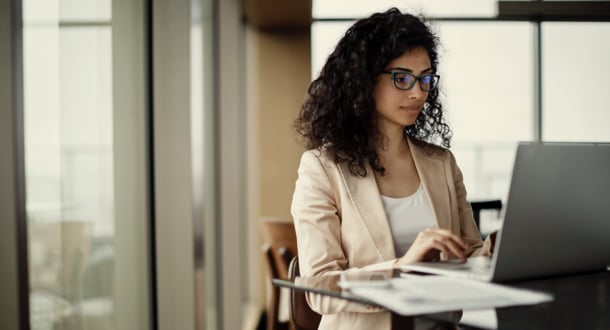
column 431, row 242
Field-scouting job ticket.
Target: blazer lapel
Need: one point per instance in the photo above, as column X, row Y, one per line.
column 365, row 196
column 432, row 175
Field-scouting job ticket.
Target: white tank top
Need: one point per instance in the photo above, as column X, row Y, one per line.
column 408, row 216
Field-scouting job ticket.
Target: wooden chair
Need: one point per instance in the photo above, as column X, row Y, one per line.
column 302, row 317
column 280, row 246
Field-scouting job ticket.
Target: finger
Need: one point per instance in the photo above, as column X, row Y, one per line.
column 436, row 244
column 432, row 255
column 492, row 235
column 449, row 235
column 451, row 248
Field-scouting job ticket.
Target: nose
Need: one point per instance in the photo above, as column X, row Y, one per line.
column 416, row 92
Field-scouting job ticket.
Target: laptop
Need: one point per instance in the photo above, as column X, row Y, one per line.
column 556, row 220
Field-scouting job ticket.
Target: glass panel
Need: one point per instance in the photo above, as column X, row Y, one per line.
column 432, row 8
column 486, row 73
column 85, row 167
column 85, row 10
column 575, row 98
column 324, row 38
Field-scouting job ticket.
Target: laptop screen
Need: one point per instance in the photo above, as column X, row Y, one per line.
column 557, row 217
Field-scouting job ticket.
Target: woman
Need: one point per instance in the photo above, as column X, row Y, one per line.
column 375, row 190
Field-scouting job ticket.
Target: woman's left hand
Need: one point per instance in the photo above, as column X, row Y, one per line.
column 492, row 240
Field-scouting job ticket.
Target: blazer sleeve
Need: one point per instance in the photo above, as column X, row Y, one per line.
column 468, row 229
column 318, row 228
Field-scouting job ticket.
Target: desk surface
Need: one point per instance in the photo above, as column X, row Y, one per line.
column 581, row 301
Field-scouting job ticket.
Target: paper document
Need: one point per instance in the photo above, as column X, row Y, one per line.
column 414, row 295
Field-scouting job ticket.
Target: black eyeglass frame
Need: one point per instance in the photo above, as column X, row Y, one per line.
column 416, row 79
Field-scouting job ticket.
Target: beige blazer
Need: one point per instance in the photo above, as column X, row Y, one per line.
column 341, row 224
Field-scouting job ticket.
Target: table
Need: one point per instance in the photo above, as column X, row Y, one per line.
column 581, row 301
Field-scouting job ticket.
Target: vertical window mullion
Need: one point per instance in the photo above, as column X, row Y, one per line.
column 537, row 81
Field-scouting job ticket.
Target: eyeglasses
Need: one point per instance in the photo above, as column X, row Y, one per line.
column 405, row 80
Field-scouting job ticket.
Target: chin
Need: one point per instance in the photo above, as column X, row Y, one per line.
column 409, row 122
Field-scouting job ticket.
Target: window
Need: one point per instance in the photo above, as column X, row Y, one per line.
column 85, row 155
column 575, row 71
column 487, row 76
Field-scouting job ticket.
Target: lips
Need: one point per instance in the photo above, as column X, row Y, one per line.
column 411, row 108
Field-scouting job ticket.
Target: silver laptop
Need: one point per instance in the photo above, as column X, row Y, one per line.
column 557, row 217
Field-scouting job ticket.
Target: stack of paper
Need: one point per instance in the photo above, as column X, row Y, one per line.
column 416, row 295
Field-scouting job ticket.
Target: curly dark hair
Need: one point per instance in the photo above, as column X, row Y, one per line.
column 339, row 112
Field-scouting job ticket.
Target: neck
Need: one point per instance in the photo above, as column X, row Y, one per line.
column 394, row 144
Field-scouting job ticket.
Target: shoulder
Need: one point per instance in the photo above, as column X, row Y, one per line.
column 321, row 156
column 320, row 163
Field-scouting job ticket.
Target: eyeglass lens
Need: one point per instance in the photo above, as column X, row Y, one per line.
column 406, row 81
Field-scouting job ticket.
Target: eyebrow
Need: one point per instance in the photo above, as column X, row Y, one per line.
column 408, row 70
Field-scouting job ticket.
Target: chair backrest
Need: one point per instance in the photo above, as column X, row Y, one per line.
column 280, row 246
column 302, row 317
